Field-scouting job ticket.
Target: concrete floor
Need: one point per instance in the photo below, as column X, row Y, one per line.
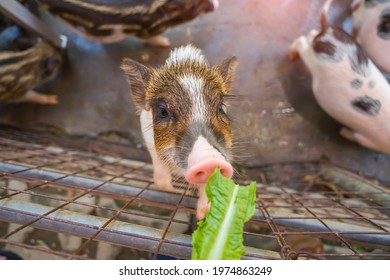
column 276, row 117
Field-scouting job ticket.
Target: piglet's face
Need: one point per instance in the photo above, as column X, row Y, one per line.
column 49, row 59
column 187, row 98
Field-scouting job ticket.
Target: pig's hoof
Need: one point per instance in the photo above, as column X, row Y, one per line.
column 51, row 100
column 348, row 134
column 293, row 55
column 159, row 41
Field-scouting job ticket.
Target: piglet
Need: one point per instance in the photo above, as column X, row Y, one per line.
column 346, row 84
column 112, row 21
column 183, row 116
column 23, row 70
column 371, row 20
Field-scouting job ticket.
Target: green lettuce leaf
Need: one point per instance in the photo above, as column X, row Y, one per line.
column 220, row 235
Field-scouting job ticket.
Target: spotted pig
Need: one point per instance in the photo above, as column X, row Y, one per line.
column 371, row 20
column 347, row 84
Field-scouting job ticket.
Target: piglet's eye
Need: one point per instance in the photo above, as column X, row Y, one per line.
column 162, row 112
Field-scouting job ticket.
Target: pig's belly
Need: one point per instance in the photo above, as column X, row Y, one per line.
column 337, row 102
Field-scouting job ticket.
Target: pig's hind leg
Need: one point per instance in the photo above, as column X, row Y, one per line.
column 161, row 173
column 36, row 97
column 359, row 138
column 158, row 41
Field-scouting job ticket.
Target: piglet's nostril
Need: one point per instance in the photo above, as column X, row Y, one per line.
column 226, row 173
column 200, row 174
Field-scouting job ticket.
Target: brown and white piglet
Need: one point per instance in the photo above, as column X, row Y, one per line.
column 109, row 21
column 183, row 117
column 346, row 84
column 371, row 20
column 23, row 70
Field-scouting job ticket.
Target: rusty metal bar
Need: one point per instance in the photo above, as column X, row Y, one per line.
column 82, row 183
column 351, row 182
column 117, row 232
column 130, row 212
column 18, row 13
column 40, row 249
column 349, row 231
column 281, row 218
column 161, row 242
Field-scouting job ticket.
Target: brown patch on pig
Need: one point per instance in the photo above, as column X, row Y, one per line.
column 367, row 105
column 324, row 47
column 333, row 44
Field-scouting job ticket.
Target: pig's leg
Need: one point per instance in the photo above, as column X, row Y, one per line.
column 203, row 205
column 161, row 172
column 159, row 41
column 347, row 133
column 357, row 137
column 35, row 97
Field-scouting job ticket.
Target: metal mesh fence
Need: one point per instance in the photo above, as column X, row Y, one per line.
column 61, row 199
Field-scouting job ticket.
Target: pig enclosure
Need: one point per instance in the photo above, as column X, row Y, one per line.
column 81, row 186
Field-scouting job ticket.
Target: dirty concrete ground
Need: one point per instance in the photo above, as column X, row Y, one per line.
column 276, row 117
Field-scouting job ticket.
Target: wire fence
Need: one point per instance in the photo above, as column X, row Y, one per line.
column 60, row 199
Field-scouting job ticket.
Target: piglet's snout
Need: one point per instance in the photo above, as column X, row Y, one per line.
column 202, row 162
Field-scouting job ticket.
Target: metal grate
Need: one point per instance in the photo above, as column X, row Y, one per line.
column 67, row 202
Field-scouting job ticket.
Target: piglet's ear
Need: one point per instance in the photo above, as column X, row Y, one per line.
column 226, row 69
column 138, row 77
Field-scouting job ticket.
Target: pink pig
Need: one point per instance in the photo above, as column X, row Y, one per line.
column 347, row 84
